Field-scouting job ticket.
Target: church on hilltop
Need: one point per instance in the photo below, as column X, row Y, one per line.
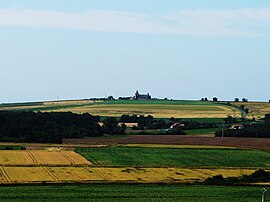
column 139, row 96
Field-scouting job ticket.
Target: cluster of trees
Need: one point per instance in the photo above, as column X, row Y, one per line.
column 110, row 126
column 215, row 99
column 47, row 127
column 145, row 122
column 148, row 122
column 257, row 131
column 258, row 176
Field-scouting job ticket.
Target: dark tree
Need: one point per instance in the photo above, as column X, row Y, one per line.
column 236, row 99
column 244, row 100
column 110, row 126
column 215, row 99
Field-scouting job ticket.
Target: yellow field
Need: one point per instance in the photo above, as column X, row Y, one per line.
column 256, row 109
column 157, row 111
column 107, row 174
column 41, row 157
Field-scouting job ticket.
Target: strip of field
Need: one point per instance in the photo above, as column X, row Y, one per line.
column 142, row 156
column 54, row 174
column 157, row 110
column 41, row 157
column 250, row 143
column 256, row 109
column 127, row 192
column 50, row 105
column 178, row 146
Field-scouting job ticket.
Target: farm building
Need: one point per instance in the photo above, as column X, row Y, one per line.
column 175, row 125
column 237, row 126
column 139, row 96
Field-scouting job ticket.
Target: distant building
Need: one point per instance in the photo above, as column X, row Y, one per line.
column 175, row 125
column 139, row 96
column 237, row 126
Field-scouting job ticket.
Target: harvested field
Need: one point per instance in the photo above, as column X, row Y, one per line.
column 156, row 110
column 249, row 143
column 58, row 157
column 113, row 174
column 41, row 157
column 27, row 174
column 256, row 109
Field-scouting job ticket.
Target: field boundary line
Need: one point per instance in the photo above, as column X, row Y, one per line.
column 6, row 176
column 32, row 157
column 47, row 170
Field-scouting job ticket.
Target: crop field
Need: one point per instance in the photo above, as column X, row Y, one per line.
column 143, row 156
column 158, row 109
column 55, row 174
column 178, row 146
column 116, row 108
column 124, row 192
column 50, row 105
column 41, row 157
column 256, row 109
column 130, row 163
column 247, row 143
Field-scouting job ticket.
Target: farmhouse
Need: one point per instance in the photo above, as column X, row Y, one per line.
column 139, row 96
column 237, row 126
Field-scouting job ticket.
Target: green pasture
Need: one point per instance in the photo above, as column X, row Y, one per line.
column 202, row 131
column 130, row 192
column 142, row 156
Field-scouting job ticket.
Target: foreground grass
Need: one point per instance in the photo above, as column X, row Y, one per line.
column 128, row 192
column 142, row 156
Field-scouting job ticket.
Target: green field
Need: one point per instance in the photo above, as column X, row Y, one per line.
column 128, row 192
column 141, row 156
column 202, row 131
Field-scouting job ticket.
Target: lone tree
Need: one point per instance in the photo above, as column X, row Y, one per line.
column 236, row 99
column 244, row 100
column 215, row 99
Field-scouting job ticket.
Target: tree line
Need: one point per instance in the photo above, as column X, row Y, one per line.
column 51, row 127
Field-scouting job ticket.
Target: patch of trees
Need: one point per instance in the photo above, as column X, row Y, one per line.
column 257, row 131
column 110, row 126
column 47, row 127
column 204, row 99
column 258, row 176
column 148, row 122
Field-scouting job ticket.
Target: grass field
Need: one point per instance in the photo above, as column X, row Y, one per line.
column 142, row 156
column 207, row 131
column 123, row 192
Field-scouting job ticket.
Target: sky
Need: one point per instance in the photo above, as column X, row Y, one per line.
column 179, row 49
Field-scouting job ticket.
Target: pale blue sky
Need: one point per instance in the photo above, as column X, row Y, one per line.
column 176, row 49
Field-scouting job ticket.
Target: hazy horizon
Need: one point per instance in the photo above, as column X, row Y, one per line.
column 178, row 49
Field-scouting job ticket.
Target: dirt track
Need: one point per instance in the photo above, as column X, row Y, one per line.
column 252, row 143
